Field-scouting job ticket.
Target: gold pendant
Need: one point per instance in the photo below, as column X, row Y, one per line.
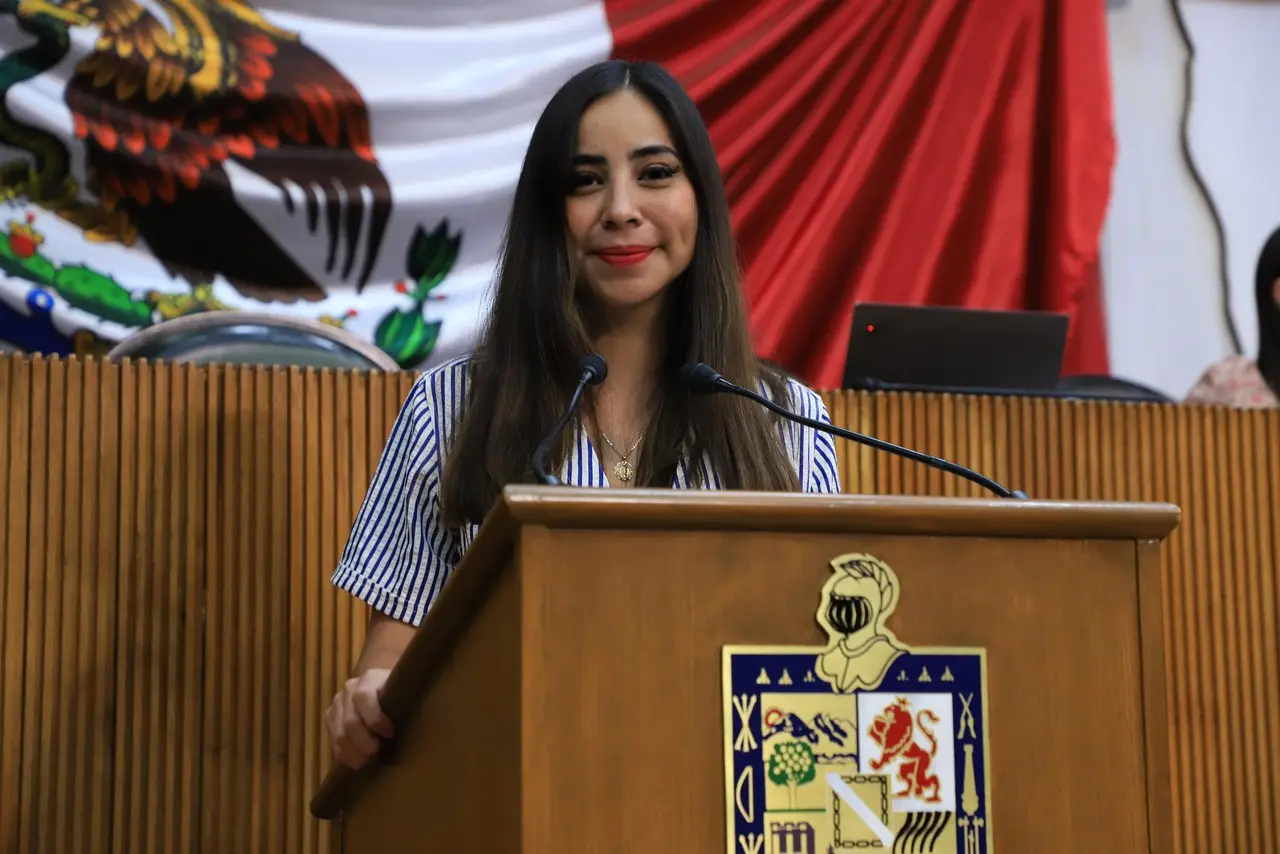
column 624, row 471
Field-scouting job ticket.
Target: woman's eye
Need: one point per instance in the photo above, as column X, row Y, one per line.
column 584, row 179
column 658, row 172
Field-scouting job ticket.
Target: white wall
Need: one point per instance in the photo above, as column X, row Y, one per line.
column 1161, row 253
column 1235, row 134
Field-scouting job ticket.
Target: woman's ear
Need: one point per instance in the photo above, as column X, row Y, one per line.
column 1275, row 291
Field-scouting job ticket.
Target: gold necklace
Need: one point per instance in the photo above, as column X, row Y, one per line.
column 623, row 470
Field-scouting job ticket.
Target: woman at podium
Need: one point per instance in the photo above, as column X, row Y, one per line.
column 619, row 243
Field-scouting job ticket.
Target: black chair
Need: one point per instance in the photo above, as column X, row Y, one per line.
column 252, row 339
column 1101, row 387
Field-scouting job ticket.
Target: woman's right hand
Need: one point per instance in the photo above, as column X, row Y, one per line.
column 356, row 720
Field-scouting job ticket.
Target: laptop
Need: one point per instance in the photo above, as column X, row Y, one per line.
column 956, row 350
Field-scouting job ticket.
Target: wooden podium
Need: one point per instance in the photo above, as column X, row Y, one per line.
column 655, row 671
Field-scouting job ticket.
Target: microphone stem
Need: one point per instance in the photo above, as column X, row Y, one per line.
column 935, row 462
column 543, row 450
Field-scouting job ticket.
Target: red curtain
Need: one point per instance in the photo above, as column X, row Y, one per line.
column 943, row 152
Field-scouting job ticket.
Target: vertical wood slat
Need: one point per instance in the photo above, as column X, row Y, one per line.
column 258, row 635
column 1270, row 595
column 214, row 544
column 151, row 614
column 359, row 416
column 33, row 803
column 218, row 638
column 1266, row 473
column 15, row 446
column 10, row 608
column 64, row 610
column 1237, row 709
column 170, row 636
column 103, row 682
column 190, row 555
column 158, row 734
column 43, row 656
column 278, row 617
column 82, row 499
column 236, row 780
column 326, row 531
column 298, row 638
column 310, row 603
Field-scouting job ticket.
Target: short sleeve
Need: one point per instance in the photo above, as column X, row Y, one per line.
column 399, row 553
column 824, row 466
column 819, row 467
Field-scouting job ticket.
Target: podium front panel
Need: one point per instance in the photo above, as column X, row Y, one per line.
column 624, row 637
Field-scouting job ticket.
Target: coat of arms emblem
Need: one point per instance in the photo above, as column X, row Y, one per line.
column 862, row 744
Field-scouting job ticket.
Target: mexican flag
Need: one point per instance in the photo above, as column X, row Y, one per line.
column 354, row 163
column 441, row 99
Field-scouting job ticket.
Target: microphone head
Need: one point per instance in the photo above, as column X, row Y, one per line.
column 700, row 378
column 593, row 368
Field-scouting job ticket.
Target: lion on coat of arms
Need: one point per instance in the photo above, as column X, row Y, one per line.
column 894, row 730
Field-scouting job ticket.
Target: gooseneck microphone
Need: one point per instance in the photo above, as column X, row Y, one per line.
column 591, row 371
column 703, row 379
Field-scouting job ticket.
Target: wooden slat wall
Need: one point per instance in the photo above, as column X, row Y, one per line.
column 170, row 638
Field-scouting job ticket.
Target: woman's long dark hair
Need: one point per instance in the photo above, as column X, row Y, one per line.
column 1269, row 311
column 525, row 364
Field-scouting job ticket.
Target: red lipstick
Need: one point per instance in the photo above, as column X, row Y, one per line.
column 625, row 256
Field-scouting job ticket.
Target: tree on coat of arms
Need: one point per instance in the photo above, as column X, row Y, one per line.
column 792, row 765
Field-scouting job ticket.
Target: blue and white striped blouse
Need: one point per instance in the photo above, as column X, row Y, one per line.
column 400, row 554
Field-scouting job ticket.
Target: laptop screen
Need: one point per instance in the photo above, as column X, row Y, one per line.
column 944, row 347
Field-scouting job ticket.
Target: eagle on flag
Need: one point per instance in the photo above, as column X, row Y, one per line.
column 173, row 95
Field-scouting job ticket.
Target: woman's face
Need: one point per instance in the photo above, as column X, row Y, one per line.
column 631, row 212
